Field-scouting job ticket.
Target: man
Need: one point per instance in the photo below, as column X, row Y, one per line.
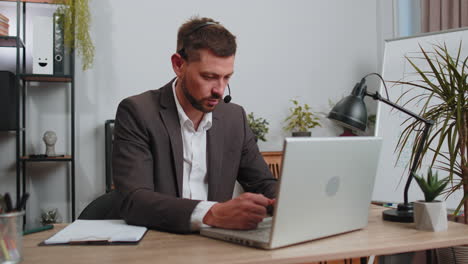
column 178, row 150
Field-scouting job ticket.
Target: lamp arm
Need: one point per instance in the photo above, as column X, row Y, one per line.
column 377, row 96
column 414, row 166
column 428, row 125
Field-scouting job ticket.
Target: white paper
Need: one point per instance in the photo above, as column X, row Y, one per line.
column 98, row 230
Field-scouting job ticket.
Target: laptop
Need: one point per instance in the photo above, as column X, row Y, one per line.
column 325, row 189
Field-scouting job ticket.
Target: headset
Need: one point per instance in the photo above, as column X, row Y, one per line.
column 184, row 55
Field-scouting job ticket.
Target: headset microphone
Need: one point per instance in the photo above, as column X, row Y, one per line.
column 228, row 97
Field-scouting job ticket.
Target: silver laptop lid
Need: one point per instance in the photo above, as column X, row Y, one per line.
column 325, row 187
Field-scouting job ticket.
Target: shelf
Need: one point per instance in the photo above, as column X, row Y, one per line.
column 21, row 82
column 46, row 78
column 10, row 42
column 28, row 158
column 32, row 1
column 11, row 130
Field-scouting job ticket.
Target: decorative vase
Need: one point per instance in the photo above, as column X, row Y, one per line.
column 302, row 134
column 430, row 216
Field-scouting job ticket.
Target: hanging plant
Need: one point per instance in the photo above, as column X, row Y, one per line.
column 76, row 20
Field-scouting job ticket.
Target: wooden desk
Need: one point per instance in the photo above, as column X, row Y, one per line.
column 379, row 238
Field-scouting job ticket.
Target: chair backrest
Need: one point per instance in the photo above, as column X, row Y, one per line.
column 273, row 159
column 109, row 137
column 106, row 206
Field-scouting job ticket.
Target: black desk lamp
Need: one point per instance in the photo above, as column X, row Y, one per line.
column 351, row 112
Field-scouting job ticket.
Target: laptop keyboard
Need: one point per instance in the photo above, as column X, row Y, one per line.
column 262, row 233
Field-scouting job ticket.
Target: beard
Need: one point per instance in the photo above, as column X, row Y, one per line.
column 198, row 104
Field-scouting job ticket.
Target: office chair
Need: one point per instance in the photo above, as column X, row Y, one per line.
column 109, row 137
column 107, row 205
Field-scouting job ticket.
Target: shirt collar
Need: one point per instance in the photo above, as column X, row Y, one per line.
column 185, row 121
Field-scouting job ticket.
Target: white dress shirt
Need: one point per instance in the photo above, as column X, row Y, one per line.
column 195, row 182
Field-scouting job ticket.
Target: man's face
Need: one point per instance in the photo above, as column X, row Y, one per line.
column 203, row 81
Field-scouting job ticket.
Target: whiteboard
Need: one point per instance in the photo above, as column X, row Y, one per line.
column 392, row 175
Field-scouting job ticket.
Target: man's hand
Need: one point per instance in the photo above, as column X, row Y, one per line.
column 243, row 212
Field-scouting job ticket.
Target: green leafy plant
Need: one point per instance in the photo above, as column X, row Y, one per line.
column 301, row 119
column 432, row 187
column 259, row 126
column 371, row 119
column 76, row 18
column 444, row 97
column 49, row 216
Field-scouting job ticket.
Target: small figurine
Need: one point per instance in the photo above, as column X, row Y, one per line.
column 50, row 138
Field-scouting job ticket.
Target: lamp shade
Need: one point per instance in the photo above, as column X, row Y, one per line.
column 351, row 111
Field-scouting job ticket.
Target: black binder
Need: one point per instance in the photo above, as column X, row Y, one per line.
column 8, row 101
column 59, row 49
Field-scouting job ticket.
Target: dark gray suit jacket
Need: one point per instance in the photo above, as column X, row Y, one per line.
column 147, row 160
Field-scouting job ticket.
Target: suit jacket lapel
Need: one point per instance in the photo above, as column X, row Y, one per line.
column 170, row 119
column 214, row 151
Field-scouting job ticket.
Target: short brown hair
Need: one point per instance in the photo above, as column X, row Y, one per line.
column 204, row 33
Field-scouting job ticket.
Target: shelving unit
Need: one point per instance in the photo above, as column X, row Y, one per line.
column 9, row 41
column 22, row 84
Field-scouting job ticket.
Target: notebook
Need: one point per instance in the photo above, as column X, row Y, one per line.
column 97, row 232
column 325, row 189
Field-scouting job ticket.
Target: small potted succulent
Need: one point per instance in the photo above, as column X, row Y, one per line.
column 259, row 126
column 300, row 120
column 49, row 216
column 431, row 214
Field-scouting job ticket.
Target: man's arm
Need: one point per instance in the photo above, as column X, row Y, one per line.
column 133, row 172
column 249, row 209
column 254, row 174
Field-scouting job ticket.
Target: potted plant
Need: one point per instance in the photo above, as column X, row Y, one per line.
column 443, row 98
column 300, row 120
column 75, row 18
column 259, row 126
column 49, row 216
column 431, row 214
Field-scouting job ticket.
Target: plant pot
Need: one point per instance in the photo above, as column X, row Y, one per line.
column 430, row 216
column 302, row 134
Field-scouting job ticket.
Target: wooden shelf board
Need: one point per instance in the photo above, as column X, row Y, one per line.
column 32, row 1
column 11, row 129
column 10, row 41
column 46, row 78
column 64, row 158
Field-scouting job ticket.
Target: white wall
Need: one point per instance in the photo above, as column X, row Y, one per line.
column 310, row 50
